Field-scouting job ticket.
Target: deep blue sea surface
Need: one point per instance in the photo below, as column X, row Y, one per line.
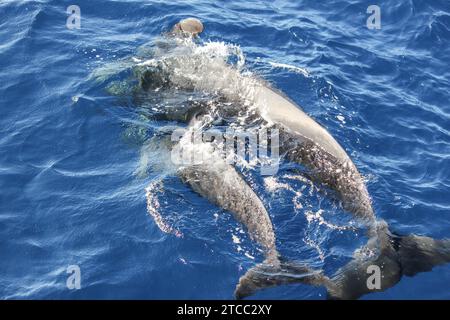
column 71, row 192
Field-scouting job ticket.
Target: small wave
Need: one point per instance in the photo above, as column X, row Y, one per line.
column 302, row 71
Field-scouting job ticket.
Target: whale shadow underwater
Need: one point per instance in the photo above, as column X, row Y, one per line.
column 302, row 140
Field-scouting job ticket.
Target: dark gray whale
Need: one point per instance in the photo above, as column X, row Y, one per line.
column 219, row 182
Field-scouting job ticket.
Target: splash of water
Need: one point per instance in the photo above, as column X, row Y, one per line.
column 296, row 69
column 153, row 207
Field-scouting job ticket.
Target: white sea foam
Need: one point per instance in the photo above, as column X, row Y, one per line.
column 296, row 69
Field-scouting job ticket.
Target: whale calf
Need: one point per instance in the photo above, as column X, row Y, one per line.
column 304, row 141
column 219, row 182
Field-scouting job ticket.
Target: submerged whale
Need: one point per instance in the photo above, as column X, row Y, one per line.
column 304, row 141
column 219, row 182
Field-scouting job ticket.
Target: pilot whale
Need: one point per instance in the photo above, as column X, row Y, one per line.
column 304, row 141
column 219, row 182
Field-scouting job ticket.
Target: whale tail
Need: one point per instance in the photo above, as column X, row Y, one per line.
column 267, row 274
column 397, row 256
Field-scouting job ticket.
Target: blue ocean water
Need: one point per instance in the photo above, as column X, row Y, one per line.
column 69, row 149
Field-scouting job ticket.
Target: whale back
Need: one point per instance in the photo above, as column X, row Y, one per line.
column 277, row 108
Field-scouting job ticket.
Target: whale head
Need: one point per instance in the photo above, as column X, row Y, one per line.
column 190, row 27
